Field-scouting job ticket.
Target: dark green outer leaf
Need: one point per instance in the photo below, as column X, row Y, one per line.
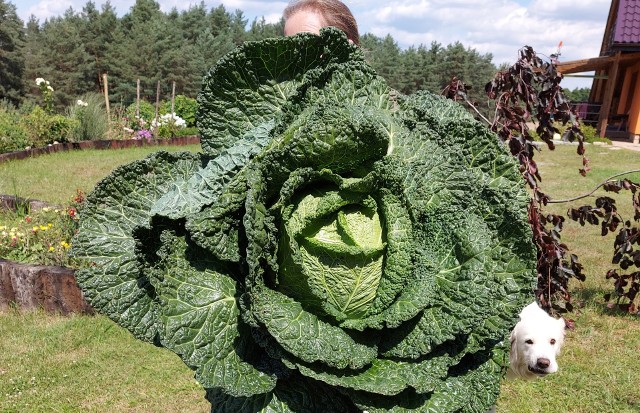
column 207, row 184
column 249, row 86
column 113, row 280
column 295, row 394
column 200, row 319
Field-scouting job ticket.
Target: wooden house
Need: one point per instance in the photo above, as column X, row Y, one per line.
column 614, row 101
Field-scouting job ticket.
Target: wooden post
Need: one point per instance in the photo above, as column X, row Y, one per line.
column 138, row 100
column 106, row 94
column 157, row 101
column 173, row 98
column 608, row 95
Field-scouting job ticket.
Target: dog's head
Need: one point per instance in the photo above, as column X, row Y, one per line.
column 535, row 342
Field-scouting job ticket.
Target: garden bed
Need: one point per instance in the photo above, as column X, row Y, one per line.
column 98, row 144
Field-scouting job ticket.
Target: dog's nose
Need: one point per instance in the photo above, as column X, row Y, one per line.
column 543, row 363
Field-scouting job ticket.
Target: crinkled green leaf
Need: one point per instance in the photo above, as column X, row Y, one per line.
column 113, row 280
column 307, row 336
column 201, row 319
column 249, row 86
column 340, row 247
column 206, row 185
column 292, row 395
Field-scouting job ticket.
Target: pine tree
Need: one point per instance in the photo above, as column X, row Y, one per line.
column 12, row 41
column 70, row 67
column 97, row 35
column 33, row 57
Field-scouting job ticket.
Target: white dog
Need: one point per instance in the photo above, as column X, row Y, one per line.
column 535, row 342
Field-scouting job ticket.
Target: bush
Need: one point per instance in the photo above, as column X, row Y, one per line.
column 147, row 114
column 185, row 107
column 169, row 125
column 44, row 128
column 591, row 135
column 13, row 136
column 90, row 118
column 192, row 131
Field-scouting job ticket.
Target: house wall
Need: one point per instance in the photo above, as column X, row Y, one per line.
column 632, row 100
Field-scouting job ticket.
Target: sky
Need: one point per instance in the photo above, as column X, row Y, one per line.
column 499, row 27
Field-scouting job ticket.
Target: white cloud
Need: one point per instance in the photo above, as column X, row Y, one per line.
column 46, row 9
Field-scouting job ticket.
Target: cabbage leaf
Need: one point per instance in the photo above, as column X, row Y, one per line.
column 337, row 246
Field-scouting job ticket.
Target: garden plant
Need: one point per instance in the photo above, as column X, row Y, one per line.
column 326, row 251
column 529, row 92
column 42, row 236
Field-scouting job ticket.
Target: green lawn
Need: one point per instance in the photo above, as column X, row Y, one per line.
column 56, row 177
column 50, row 363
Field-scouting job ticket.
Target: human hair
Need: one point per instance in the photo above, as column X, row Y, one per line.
column 333, row 12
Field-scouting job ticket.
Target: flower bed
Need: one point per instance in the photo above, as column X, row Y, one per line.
column 32, row 232
column 36, row 233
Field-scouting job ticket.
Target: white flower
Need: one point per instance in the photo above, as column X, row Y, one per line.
column 168, row 119
column 50, row 88
column 39, row 81
column 82, row 103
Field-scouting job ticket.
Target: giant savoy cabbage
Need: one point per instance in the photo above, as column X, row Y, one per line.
column 337, row 246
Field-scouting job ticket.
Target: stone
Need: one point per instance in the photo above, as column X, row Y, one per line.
column 51, row 288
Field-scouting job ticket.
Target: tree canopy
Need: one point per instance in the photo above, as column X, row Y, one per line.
column 74, row 50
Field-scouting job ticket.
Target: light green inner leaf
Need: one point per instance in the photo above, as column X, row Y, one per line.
column 338, row 251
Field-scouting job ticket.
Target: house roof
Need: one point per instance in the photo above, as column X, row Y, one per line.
column 627, row 28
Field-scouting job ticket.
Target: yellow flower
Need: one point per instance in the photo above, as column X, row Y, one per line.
column 2, row 228
column 35, row 229
column 65, row 245
column 43, row 228
column 51, row 249
column 49, row 225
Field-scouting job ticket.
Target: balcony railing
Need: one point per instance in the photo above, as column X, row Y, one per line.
column 588, row 112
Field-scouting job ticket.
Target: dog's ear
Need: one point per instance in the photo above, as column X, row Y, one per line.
column 513, row 352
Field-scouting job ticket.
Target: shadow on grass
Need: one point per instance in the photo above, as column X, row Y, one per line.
column 594, row 298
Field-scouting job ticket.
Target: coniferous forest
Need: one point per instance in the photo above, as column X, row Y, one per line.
column 74, row 50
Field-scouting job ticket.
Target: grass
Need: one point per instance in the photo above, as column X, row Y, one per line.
column 50, row 363
column 87, row 364
column 599, row 363
column 55, row 177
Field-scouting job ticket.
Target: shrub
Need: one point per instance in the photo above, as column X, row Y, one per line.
column 591, row 135
column 13, row 136
column 90, row 116
column 44, row 128
column 187, row 132
column 147, row 115
column 168, row 126
column 185, row 107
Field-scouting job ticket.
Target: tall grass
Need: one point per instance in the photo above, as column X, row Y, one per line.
column 92, row 122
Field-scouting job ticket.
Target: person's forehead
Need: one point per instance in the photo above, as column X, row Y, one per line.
column 304, row 21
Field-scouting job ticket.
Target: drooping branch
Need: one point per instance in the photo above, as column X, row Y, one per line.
column 603, row 183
